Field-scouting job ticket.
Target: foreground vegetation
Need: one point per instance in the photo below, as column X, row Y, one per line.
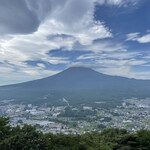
column 28, row 138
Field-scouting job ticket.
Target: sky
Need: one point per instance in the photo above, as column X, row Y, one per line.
column 41, row 38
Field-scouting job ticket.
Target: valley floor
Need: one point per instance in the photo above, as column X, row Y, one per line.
column 132, row 115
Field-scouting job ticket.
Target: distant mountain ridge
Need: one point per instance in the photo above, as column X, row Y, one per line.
column 78, row 85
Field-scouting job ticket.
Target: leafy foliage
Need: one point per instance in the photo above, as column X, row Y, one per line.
column 4, row 128
column 28, row 138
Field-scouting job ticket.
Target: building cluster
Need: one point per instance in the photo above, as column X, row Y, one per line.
column 133, row 115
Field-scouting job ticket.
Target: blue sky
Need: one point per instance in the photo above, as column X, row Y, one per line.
column 39, row 39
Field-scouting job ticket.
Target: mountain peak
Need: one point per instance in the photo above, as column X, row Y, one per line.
column 79, row 67
column 79, row 70
column 77, row 84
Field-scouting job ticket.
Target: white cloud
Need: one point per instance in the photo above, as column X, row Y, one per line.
column 10, row 74
column 144, row 39
column 68, row 22
column 41, row 65
column 74, row 18
column 132, row 36
column 138, row 38
column 118, row 55
column 125, row 71
column 119, row 63
column 103, row 46
column 116, row 68
column 80, row 25
column 118, row 2
column 58, row 60
column 38, row 72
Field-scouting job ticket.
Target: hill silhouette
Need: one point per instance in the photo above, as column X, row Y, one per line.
column 78, row 85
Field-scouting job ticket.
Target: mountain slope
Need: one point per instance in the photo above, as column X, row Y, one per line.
column 78, row 85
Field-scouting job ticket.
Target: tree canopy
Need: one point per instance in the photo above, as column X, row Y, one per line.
column 28, row 138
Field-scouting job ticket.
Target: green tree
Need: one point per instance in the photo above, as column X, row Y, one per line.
column 143, row 139
column 26, row 138
column 4, row 128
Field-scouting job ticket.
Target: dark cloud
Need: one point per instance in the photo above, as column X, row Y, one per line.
column 54, row 36
column 40, row 8
column 25, row 16
column 16, row 17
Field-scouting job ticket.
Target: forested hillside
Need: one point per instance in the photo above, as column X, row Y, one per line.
column 28, row 138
